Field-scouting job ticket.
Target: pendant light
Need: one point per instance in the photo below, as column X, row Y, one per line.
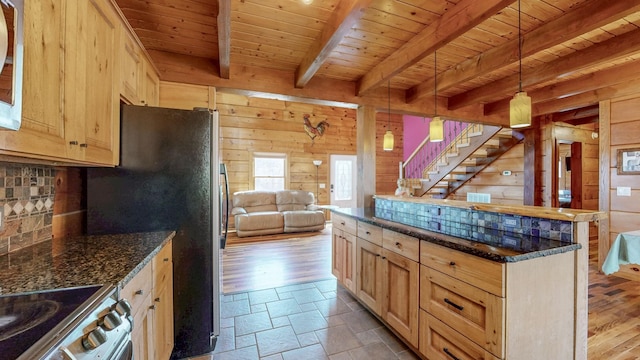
column 387, row 144
column 436, row 126
column 520, row 105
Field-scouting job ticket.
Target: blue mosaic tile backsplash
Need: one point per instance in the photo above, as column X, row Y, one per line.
column 471, row 224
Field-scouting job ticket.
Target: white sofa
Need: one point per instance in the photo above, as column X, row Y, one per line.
column 274, row 212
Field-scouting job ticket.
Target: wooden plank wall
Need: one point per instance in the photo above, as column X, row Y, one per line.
column 504, row 190
column 620, row 119
column 249, row 125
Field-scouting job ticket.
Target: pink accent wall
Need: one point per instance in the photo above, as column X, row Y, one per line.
column 415, row 129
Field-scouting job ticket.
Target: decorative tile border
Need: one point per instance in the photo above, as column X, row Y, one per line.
column 26, row 198
column 472, row 224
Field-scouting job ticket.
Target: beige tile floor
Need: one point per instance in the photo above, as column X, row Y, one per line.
column 310, row 321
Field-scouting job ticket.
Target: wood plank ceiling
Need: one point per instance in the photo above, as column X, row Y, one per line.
column 575, row 52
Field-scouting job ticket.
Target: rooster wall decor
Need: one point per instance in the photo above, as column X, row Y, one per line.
column 314, row 131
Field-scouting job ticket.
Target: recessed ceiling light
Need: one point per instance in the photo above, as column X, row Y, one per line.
column 307, row 2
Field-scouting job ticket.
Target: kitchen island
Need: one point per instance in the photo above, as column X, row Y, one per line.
column 457, row 279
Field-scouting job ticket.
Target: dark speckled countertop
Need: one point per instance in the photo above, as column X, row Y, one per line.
column 513, row 248
column 79, row 261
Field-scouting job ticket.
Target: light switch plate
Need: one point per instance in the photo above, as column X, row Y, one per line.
column 623, row 191
column 322, row 186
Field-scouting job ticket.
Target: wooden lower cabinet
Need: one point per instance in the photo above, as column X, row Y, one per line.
column 369, row 274
column 343, row 254
column 387, row 283
column 400, row 300
column 150, row 294
column 440, row 342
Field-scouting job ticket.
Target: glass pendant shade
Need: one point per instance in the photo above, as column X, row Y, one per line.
column 387, row 144
column 436, row 129
column 520, row 110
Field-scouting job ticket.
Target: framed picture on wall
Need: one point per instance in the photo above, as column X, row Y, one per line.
column 629, row 161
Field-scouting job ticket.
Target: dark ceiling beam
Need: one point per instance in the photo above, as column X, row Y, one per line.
column 587, row 17
column 461, row 18
column 598, row 54
column 589, row 82
column 224, row 37
column 345, row 16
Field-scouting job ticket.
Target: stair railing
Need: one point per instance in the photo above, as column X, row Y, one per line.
column 462, row 139
column 427, row 151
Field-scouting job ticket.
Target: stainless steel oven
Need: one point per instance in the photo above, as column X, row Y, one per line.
column 70, row 324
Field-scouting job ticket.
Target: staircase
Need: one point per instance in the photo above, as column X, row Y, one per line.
column 473, row 149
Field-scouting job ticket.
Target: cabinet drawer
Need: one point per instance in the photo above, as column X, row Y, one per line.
column 438, row 341
column 137, row 290
column 369, row 232
column 485, row 274
column 402, row 244
column 344, row 223
column 473, row 312
column 163, row 265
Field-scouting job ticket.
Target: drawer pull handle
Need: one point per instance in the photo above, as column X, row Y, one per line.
column 165, row 259
column 452, row 263
column 156, row 299
column 342, row 223
column 368, row 233
column 377, row 255
column 446, row 351
column 384, row 257
column 73, row 142
column 397, row 244
column 139, row 292
column 152, row 307
column 453, row 304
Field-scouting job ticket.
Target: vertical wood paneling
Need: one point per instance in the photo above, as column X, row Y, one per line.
column 622, row 123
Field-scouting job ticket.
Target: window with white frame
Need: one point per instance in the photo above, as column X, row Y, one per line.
column 269, row 171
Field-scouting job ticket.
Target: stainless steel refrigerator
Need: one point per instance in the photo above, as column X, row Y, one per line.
column 168, row 179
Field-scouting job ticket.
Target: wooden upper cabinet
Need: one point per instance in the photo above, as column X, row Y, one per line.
column 92, row 106
column 139, row 82
column 43, row 125
column 151, row 85
column 70, row 109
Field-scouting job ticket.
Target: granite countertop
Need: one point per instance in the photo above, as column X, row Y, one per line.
column 79, row 261
column 512, row 247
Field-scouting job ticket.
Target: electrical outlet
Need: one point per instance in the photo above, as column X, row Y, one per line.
column 623, row 191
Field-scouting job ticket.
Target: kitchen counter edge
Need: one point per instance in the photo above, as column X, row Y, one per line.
column 468, row 246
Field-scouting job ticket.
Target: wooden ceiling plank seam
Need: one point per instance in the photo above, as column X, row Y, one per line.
column 268, row 15
column 384, row 30
column 276, row 34
column 588, row 82
column 456, row 21
column 173, row 22
column 347, row 13
column 149, row 7
column 280, row 26
column 409, row 12
column 588, row 17
column 397, row 22
column 224, row 38
column 603, row 52
column 200, row 35
column 207, row 8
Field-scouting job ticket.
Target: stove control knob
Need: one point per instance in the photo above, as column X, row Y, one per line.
column 111, row 321
column 94, row 338
column 123, row 307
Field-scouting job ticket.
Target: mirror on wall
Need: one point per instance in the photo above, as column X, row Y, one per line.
column 11, row 62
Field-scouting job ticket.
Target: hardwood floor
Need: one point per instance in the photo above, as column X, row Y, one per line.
column 614, row 303
column 275, row 260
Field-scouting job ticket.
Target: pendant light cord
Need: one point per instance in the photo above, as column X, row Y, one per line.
column 435, row 83
column 519, row 51
column 389, row 107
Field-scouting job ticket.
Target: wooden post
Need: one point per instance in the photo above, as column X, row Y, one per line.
column 366, row 150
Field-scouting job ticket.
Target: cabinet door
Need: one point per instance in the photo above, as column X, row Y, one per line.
column 369, row 274
column 131, row 68
column 163, row 319
column 142, row 333
column 92, row 99
column 43, row 126
column 401, row 291
column 349, row 262
column 337, row 254
column 151, row 85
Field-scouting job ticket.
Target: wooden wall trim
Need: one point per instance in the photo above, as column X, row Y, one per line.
column 605, row 180
column 531, row 166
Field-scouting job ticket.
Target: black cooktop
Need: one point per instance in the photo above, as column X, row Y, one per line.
column 27, row 317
